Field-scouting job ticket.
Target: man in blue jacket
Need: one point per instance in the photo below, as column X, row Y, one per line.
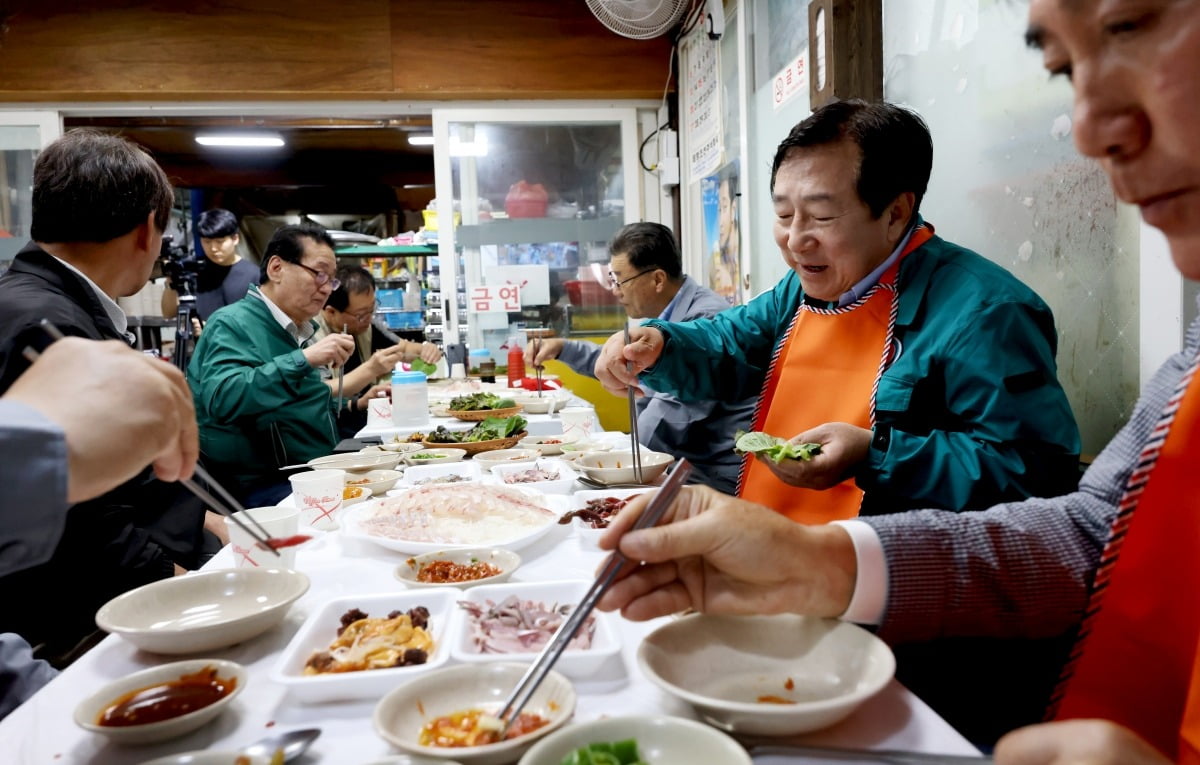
column 648, row 279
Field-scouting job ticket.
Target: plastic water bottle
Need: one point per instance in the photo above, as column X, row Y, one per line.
column 410, row 399
column 516, row 363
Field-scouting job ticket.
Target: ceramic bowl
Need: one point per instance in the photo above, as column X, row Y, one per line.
column 617, row 467
column 433, row 456
column 545, row 404
column 508, row 475
column 505, row 560
column 777, row 675
column 212, row 757
column 202, row 611
column 549, row 446
column 88, row 711
column 400, row 715
column 573, row 450
column 356, row 462
column 378, row 481
column 396, row 447
column 659, row 739
column 361, row 495
column 486, row 460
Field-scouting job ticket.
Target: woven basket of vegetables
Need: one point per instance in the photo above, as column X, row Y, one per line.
column 475, row 447
column 477, row 407
column 479, row 415
column 490, row 433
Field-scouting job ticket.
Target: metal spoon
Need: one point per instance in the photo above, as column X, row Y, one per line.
column 592, row 482
column 292, row 743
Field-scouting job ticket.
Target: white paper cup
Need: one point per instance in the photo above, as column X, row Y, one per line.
column 379, row 411
column 458, row 371
column 279, row 522
column 318, row 495
column 578, row 422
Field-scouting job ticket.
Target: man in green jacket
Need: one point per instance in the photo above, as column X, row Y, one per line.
column 255, row 374
column 925, row 371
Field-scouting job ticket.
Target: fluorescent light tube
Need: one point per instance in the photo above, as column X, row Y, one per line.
column 240, row 140
column 421, row 140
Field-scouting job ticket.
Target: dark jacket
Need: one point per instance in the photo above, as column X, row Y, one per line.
column 124, row 539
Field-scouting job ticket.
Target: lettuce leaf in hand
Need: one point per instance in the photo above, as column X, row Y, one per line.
column 778, row 449
column 421, row 365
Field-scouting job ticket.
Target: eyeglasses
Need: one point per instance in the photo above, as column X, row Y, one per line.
column 362, row 316
column 614, row 284
column 319, row 277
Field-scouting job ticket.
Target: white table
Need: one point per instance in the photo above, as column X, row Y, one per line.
column 539, row 425
column 42, row 730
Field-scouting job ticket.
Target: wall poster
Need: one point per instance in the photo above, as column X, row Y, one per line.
column 722, row 233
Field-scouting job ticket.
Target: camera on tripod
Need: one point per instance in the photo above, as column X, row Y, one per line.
column 180, row 267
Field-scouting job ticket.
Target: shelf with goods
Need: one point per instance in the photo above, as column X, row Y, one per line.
column 403, row 310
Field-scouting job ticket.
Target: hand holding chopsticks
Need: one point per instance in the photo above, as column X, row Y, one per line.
column 636, row 445
column 533, row 677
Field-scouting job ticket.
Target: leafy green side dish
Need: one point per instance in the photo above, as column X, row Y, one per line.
column 778, row 449
column 615, row 753
column 476, row 402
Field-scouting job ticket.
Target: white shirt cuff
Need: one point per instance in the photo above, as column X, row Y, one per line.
column 870, row 587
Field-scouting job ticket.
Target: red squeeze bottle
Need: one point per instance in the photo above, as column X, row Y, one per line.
column 516, row 365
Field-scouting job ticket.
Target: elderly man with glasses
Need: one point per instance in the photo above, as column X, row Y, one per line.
column 647, row 277
column 256, row 374
column 350, row 309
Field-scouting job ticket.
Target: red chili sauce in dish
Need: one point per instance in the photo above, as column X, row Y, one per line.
column 164, row 701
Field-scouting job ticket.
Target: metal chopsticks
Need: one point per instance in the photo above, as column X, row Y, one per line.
column 633, row 426
column 537, row 368
column 56, row 334
column 229, row 508
column 341, row 372
column 533, row 676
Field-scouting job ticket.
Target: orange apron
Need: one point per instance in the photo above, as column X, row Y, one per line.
column 1135, row 660
column 827, row 368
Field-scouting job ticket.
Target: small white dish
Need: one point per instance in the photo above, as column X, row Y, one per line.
column 574, row 662
column 356, row 462
column 779, row 675
column 361, row 495
column 505, row 457
column 433, row 456
column 428, row 475
column 378, row 481
column 589, row 536
column 549, row 446
column 88, row 711
column 659, row 740
column 505, row 560
column 212, row 757
column 320, row 629
column 203, row 611
column 396, row 447
column 562, row 484
column 401, row 714
column 617, row 467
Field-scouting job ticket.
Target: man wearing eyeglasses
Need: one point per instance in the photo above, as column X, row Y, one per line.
column 261, row 402
column 351, row 308
column 647, row 277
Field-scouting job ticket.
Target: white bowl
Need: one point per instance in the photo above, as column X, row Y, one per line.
column 356, row 462
column 617, row 467
column 396, row 447
column 401, row 714
column 414, row 476
column 202, row 611
column 560, row 485
column 378, row 481
column 547, row 404
column 659, row 740
column 88, row 711
column 320, row 629
column 825, row 667
column 505, row 560
column 574, row 662
column 212, row 757
column 505, row 457
column 573, row 450
column 433, row 456
column 363, row 495
column 549, row 446
column 589, row 536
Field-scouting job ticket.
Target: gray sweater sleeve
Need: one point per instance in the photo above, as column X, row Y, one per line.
column 580, row 355
column 1021, row 569
column 33, row 472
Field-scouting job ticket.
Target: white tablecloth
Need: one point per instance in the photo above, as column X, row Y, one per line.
column 42, row 730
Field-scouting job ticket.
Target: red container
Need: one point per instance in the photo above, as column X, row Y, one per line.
column 525, row 200
column 588, row 293
column 516, row 366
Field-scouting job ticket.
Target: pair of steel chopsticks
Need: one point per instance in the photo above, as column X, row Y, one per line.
column 537, row 367
column 633, row 426
column 56, row 334
column 341, row 372
column 533, row 676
